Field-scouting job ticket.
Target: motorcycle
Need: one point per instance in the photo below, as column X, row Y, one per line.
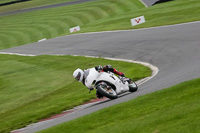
column 108, row 84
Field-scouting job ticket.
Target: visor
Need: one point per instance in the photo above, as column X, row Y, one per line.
column 78, row 76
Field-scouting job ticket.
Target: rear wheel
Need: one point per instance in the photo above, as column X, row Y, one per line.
column 107, row 92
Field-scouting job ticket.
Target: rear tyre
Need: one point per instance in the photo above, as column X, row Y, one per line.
column 109, row 93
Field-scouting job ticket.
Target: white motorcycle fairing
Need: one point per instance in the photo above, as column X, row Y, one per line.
column 95, row 77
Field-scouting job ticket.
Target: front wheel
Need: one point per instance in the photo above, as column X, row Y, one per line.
column 107, row 92
column 133, row 86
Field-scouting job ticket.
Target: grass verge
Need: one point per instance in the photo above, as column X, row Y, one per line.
column 27, row 4
column 172, row 110
column 24, row 28
column 32, row 88
column 101, row 15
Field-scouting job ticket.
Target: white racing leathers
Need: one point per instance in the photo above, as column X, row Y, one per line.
column 93, row 79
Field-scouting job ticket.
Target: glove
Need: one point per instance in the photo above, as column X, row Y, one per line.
column 122, row 74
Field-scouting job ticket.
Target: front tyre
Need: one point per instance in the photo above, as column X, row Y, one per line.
column 133, row 86
column 109, row 93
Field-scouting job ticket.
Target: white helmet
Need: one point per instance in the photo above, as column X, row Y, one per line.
column 78, row 74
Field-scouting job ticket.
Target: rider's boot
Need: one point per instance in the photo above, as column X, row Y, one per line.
column 118, row 73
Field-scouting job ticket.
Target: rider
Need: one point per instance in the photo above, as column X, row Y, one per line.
column 81, row 75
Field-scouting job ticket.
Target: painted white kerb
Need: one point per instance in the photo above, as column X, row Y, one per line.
column 154, row 69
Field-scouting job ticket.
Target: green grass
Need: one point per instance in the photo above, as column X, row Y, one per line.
column 101, row 15
column 5, row 1
column 24, row 28
column 27, row 4
column 32, row 88
column 172, row 110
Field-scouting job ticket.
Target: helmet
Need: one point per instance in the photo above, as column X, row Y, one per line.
column 78, row 74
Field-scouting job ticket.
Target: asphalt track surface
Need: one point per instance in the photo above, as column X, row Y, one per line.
column 148, row 3
column 175, row 50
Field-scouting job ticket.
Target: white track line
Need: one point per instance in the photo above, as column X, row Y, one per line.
column 154, row 69
column 115, row 31
column 143, row 3
column 16, row 54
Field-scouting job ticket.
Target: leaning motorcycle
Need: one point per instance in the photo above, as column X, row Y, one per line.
column 108, row 84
